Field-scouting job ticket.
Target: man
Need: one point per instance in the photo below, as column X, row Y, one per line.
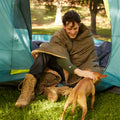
column 70, row 51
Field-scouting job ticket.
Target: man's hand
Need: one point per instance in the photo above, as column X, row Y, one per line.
column 84, row 73
column 35, row 55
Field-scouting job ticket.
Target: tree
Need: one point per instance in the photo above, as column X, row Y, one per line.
column 58, row 3
column 95, row 6
column 58, row 20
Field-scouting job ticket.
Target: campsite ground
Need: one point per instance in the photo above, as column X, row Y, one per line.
column 106, row 107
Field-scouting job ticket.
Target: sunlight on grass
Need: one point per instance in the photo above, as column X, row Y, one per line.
column 48, row 17
column 106, row 108
column 48, row 30
column 34, row 19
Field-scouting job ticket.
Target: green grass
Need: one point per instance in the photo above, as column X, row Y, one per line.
column 106, row 108
column 43, row 14
column 46, row 31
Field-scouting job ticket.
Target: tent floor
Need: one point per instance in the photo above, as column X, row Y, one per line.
column 9, row 85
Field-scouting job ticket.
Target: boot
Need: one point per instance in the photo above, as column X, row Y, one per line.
column 53, row 93
column 27, row 91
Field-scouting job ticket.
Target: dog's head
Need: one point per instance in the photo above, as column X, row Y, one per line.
column 98, row 77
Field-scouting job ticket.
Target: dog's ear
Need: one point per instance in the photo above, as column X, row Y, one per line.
column 103, row 76
column 88, row 69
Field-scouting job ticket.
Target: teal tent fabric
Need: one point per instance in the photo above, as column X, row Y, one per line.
column 16, row 36
column 44, row 38
column 113, row 68
column 15, row 41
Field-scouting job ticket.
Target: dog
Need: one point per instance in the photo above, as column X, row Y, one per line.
column 80, row 92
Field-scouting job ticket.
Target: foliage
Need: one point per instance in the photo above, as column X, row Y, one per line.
column 106, row 108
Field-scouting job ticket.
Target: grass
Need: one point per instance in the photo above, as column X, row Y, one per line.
column 106, row 108
column 46, row 31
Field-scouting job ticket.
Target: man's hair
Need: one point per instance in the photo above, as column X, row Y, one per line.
column 71, row 16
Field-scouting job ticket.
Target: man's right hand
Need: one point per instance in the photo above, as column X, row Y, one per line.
column 84, row 73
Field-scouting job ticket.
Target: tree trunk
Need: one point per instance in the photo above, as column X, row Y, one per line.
column 58, row 20
column 93, row 22
column 93, row 11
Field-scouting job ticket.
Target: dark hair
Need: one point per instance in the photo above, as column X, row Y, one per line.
column 71, row 16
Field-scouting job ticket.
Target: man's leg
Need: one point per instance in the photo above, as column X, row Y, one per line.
column 29, row 83
column 39, row 65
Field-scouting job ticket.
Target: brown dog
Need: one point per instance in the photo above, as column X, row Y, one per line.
column 80, row 92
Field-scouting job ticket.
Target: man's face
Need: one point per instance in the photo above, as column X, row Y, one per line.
column 71, row 30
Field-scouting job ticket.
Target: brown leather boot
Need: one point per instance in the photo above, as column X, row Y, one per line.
column 27, row 91
column 53, row 93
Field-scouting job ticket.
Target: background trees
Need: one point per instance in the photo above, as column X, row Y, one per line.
column 94, row 6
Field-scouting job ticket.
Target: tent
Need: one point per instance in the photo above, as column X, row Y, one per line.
column 16, row 40
column 113, row 68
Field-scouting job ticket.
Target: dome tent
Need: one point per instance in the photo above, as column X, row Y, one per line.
column 15, row 39
column 113, row 67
